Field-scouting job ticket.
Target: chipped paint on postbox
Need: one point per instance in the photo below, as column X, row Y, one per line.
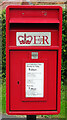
column 33, row 38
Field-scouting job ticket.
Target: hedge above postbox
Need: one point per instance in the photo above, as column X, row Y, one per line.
column 33, row 59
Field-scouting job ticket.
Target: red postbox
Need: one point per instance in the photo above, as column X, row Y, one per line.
column 33, row 59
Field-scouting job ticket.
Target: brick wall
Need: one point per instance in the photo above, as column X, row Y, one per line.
column 5, row 4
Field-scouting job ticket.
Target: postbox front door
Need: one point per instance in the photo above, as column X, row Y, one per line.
column 28, row 80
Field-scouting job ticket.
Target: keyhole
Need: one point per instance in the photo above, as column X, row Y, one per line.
column 18, row 82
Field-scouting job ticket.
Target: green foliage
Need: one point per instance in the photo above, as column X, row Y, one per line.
column 4, row 97
column 64, row 46
column 3, row 45
column 0, row 98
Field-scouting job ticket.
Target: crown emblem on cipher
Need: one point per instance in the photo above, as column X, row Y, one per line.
column 25, row 39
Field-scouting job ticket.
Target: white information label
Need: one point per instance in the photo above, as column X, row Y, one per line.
column 34, row 79
column 33, row 38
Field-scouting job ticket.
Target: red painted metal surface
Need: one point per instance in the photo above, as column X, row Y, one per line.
column 24, row 19
column 33, row 20
column 17, row 92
